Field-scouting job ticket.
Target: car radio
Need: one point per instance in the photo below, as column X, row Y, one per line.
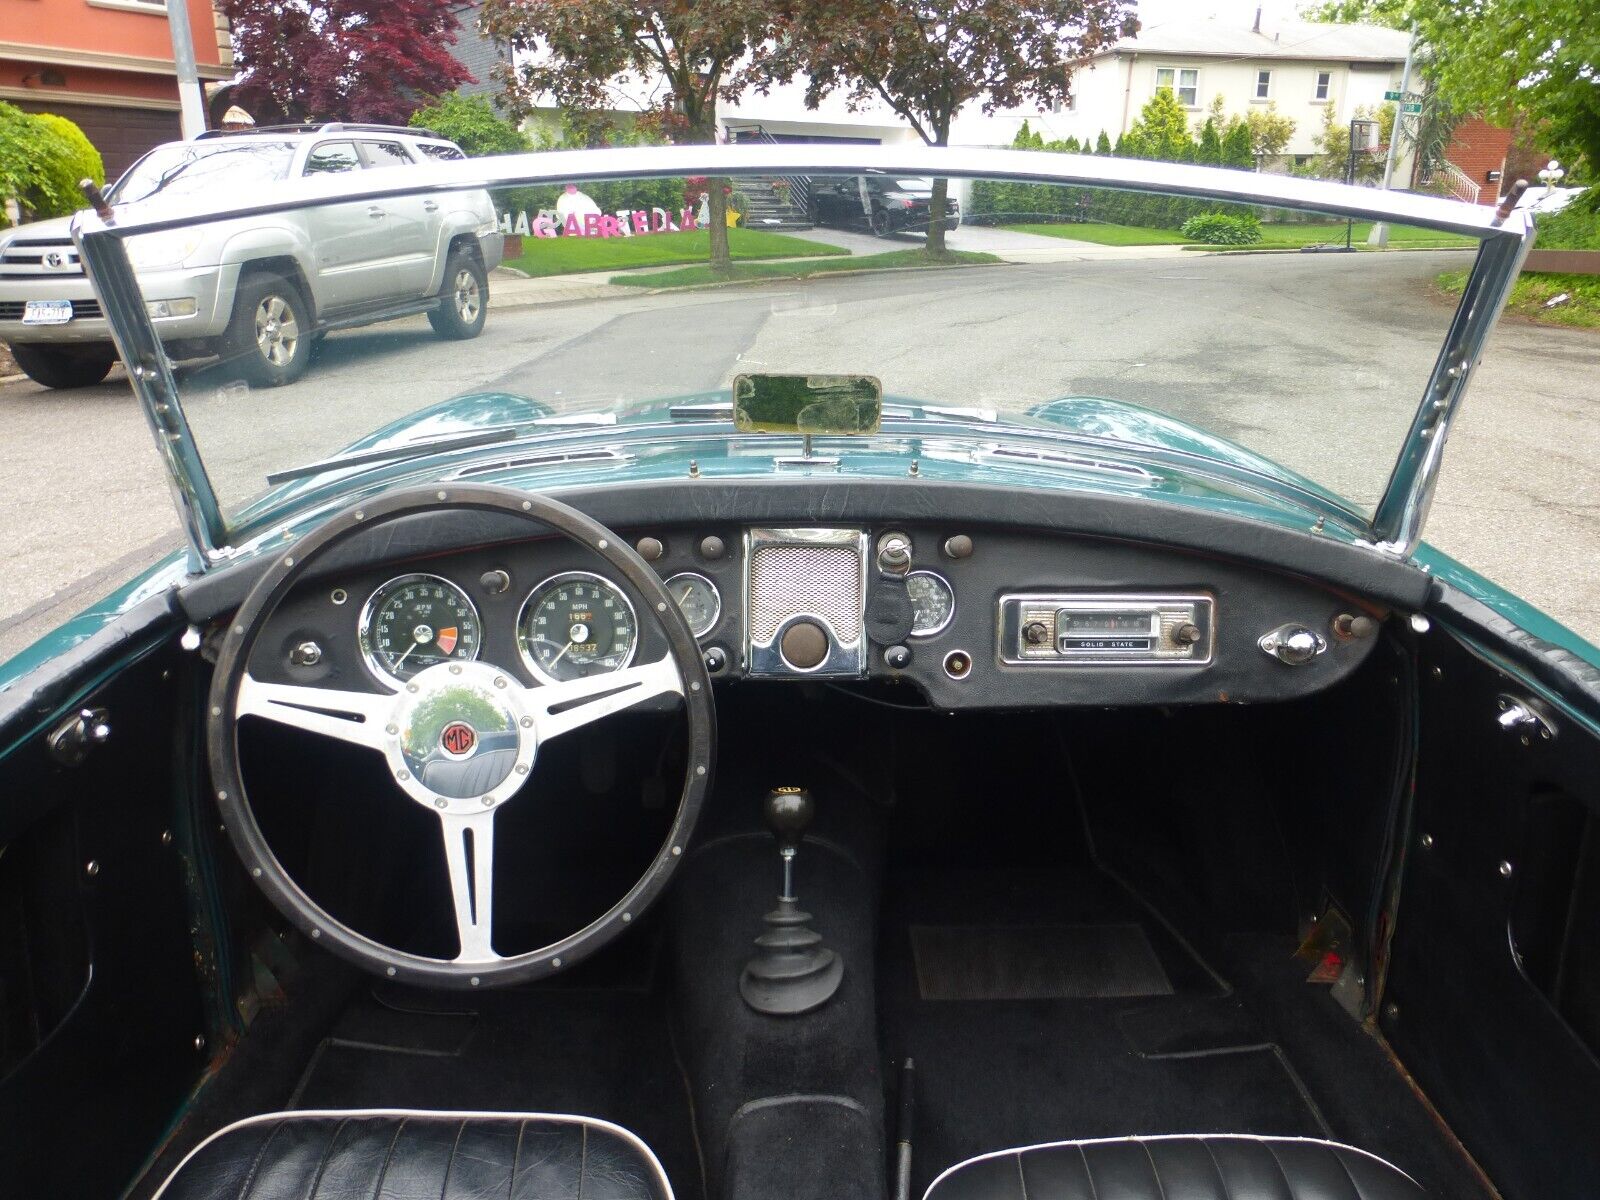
column 1090, row 627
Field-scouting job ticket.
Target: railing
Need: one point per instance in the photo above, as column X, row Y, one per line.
column 1451, row 179
column 799, row 185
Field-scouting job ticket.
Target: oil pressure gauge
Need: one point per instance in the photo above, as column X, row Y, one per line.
column 933, row 603
column 698, row 601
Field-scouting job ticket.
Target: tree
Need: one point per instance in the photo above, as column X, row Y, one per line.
column 342, row 60
column 472, row 124
column 1508, row 60
column 42, row 159
column 1268, row 130
column 590, row 58
column 1163, row 128
column 1102, row 144
column 1238, row 151
column 930, row 59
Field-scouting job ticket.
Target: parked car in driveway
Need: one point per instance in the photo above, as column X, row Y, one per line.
column 259, row 294
column 881, row 204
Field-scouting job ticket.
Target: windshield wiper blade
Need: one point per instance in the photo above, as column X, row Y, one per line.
column 422, row 447
column 722, row 410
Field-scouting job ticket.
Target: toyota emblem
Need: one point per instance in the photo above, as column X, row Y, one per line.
column 458, row 739
column 55, row 260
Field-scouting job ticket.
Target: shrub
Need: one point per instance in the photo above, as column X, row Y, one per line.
column 1223, row 229
column 42, row 158
column 1575, row 227
column 472, row 124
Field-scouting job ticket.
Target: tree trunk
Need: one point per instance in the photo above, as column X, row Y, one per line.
column 717, row 212
column 936, row 217
column 934, row 247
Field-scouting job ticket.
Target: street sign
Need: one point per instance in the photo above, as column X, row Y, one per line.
column 1391, row 95
column 1411, row 108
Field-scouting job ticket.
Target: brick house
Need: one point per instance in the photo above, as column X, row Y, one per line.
column 1478, row 151
column 107, row 65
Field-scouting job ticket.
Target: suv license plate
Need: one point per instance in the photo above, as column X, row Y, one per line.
column 47, row 312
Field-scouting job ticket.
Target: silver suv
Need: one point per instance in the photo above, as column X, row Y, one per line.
column 259, row 293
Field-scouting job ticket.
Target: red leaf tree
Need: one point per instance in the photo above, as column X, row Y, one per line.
column 342, row 60
column 673, row 58
column 929, row 59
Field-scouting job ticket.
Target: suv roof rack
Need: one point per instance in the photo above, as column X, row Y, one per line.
column 317, row 127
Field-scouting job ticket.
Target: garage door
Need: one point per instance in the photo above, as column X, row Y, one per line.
column 120, row 134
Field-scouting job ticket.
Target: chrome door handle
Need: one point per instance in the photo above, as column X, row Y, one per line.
column 429, row 206
column 376, row 213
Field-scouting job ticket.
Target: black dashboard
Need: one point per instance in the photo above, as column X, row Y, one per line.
column 970, row 615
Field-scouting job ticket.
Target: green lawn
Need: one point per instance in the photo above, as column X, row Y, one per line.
column 1531, row 292
column 1106, row 235
column 894, row 259
column 567, row 255
column 1273, row 237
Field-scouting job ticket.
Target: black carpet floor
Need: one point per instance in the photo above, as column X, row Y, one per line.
column 595, row 1041
column 1103, row 1058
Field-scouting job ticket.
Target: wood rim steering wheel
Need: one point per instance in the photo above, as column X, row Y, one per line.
column 460, row 739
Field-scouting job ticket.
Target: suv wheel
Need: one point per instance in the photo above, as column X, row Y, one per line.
column 880, row 222
column 269, row 337
column 62, row 368
column 464, row 299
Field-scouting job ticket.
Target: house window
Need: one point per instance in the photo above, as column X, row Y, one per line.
column 1263, row 85
column 1184, row 83
column 1324, row 85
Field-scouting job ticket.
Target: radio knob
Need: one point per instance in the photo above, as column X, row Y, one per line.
column 1036, row 633
column 1186, row 634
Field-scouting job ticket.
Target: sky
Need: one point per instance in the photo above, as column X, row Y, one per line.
column 1152, row 11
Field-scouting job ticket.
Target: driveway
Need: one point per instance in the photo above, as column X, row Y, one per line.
column 83, row 503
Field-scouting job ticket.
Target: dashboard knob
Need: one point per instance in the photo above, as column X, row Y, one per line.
column 1036, row 633
column 650, row 549
column 959, row 546
column 897, row 658
column 1293, row 645
column 712, row 548
column 804, row 645
column 716, row 658
column 494, row 582
column 306, row 654
column 1186, row 634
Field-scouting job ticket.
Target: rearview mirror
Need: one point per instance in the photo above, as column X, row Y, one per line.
column 807, row 404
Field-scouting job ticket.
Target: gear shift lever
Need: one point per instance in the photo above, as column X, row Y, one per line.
column 791, row 971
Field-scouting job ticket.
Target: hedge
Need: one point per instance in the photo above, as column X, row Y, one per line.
column 42, row 158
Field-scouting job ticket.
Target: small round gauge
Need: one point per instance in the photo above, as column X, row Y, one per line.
column 574, row 625
column 698, row 601
column 933, row 603
column 417, row 621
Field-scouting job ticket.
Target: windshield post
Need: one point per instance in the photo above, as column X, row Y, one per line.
column 1398, row 520
column 150, row 372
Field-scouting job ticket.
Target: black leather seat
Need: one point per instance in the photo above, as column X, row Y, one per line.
column 404, row 1155
column 1213, row 1167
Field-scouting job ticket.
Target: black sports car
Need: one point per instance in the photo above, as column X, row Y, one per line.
column 884, row 204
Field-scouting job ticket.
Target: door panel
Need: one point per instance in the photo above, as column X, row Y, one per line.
column 349, row 240
column 1490, row 994
column 99, row 993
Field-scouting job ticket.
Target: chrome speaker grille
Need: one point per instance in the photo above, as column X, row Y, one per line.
column 821, row 581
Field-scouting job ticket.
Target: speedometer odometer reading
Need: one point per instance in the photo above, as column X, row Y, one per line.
column 575, row 625
column 417, row 621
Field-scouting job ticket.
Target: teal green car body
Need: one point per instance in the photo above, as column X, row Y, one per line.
column 1136, row 452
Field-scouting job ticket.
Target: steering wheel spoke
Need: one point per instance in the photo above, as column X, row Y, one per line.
column 469, row 853
column 355, row 717
column 562, row 707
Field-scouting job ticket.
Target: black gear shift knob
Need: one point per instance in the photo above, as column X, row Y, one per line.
column 789, row 811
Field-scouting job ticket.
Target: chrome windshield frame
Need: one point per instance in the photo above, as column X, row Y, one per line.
column 1396, row 525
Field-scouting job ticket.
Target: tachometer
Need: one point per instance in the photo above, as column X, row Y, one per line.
column 417, row 621
column 698, row 600
column 933, row 603
column 574, row 625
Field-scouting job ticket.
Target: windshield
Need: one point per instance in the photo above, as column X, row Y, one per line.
column 192, row 168
column 1245, row 337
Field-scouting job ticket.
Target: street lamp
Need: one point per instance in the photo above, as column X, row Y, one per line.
column 1552, row 174
column 1363, row 133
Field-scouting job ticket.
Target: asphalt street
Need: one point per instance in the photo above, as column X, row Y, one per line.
column 1315, row 360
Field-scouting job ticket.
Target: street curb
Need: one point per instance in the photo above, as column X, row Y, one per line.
column 722, row 283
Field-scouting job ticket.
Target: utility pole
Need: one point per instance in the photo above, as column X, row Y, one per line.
column 192, row 114
column 1380, row 231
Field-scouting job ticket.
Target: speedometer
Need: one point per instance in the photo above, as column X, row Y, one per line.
column 417, row 621
column 574, row 625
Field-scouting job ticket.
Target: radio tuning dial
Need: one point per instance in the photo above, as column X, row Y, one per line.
column 1186, row 634
column 1036, row 633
